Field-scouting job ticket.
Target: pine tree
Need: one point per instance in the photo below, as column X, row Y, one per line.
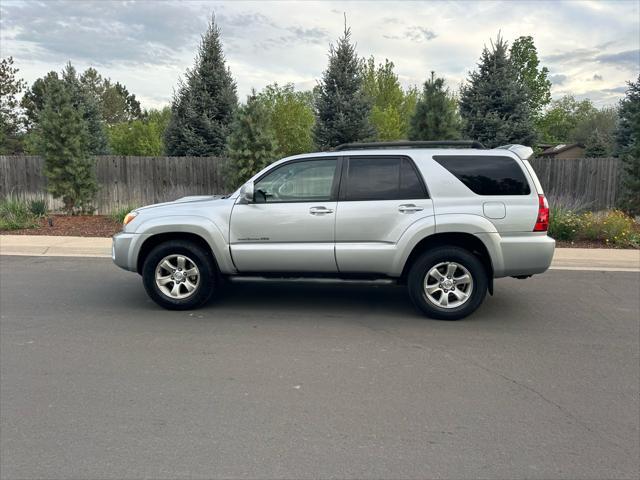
column 252, row 142
column 89, row 108
column 436, row 116
column 596, row 145
column 203, row 107
column 493, row 104
column 628, row 142
column 341, row 104
column 64, row 144
column 10, row 114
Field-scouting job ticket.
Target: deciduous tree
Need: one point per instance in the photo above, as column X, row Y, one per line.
column 599, row 126
column 291, row 116
column 144, row 137
column 559, row 122
column 392, row 105
column 524, row 57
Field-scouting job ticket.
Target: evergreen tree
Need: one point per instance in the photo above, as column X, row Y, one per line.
column 89, row 108
column 203, row 107
column 436, row 116
column 252, row 142
column 64, row 144
column 10, row 114
column 342, row 106
column 493, row 104
column 596, row 145
column 34, row 98
column 597, row 126
column 116, row 104
column 628, row 143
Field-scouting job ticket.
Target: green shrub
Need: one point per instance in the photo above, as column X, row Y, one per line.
column 119, row 213
column 613, row 227
column 15, row 214
column 590, row 226
column 38, row 207
column 564, row 224
column 616, row 228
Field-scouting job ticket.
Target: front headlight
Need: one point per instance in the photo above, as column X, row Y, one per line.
column 130, row 216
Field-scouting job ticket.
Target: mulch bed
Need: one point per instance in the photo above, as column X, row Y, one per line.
column 72, row 225
column 585, row 244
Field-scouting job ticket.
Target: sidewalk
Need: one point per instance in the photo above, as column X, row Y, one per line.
column 564, row 258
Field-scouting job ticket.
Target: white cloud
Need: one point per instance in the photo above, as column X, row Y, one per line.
column 148, row 45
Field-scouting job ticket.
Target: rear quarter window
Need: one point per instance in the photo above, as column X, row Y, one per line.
column 487, row 175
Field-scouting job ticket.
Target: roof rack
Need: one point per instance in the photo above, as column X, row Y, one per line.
column 408, row 144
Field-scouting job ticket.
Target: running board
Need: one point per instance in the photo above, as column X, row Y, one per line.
column 324, row 280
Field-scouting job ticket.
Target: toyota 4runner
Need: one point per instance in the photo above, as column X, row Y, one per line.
column 444, row 218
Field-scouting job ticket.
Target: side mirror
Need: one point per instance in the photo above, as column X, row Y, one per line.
column 246, row 193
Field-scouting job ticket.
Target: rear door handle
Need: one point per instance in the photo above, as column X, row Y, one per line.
column 409, row 208
column 320, row 210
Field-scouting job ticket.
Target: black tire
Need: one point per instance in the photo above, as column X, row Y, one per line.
column 425, row 262
column 203, row 260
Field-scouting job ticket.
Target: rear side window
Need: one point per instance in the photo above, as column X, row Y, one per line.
column 487, row 175
column 382, row 178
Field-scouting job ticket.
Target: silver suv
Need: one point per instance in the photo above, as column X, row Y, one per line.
column 444, row 218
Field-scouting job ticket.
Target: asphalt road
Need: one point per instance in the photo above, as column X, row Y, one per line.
column 314, row 380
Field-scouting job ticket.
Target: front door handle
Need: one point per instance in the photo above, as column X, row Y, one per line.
column 409, row 208
column 320, row 210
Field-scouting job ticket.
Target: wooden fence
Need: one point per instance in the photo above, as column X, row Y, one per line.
column 591, row 182
column 143, row 180
column 123, row 181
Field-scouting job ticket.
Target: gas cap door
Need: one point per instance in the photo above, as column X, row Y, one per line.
column 494, row 210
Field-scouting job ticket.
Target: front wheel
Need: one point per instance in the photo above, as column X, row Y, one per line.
column 447, row 283
column 179, row 275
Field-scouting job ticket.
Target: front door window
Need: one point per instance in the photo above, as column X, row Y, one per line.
column 305, row 181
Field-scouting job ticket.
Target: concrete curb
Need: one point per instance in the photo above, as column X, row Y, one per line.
column 602, row 259
column 43, row 245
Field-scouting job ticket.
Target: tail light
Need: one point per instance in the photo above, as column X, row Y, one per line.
column 542, row 222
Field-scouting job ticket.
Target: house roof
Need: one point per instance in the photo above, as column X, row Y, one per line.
column 563, row 147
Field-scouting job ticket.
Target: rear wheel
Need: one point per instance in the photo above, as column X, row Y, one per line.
column 447, row 283
column 179, row 275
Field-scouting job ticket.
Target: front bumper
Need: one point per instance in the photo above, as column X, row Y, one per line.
column 125, row 248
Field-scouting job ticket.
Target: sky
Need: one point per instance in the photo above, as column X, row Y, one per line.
column 592, row 48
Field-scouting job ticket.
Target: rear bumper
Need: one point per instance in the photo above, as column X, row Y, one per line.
column 519, row 254
column 125, row 248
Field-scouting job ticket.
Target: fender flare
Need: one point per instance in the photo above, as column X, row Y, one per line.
column 198, row 225
column 475, row 225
